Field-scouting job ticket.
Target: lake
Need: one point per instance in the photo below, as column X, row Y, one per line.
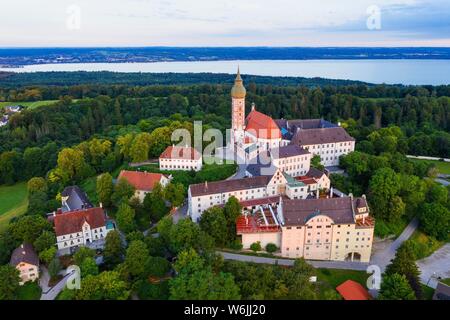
column 408, row 72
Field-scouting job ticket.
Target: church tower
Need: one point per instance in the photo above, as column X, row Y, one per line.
column 238, row 93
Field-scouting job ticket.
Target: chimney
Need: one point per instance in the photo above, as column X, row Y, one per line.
column 318, row 193
column 253, row 106
column 101, row 205
column 331, row 192
column 206, row 185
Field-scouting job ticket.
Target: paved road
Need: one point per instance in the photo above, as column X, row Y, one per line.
column 289, row 262
column 445, row 183
column 44, row 279
column 435, row 266
column 54, row 291
column 384, row 257
column 240, row 172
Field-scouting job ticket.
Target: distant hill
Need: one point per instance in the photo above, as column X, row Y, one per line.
column 28, row 56
column 9, row 79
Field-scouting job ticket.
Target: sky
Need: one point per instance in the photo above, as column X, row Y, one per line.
column 89, row 23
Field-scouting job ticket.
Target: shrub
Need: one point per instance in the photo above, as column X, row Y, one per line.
column 271, row 248
column 256, row 246
column 236, row 245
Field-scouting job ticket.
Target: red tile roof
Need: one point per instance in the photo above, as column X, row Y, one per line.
column 351, row 290
column 262, row 126
column 141, row 180
column 72, row 222
column 176, row 152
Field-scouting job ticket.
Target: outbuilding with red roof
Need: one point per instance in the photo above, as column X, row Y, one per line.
column 352, row 290
column 144, row 182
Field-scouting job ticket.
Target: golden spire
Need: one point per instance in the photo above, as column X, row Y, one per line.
column 238, row 76
column 238, row 91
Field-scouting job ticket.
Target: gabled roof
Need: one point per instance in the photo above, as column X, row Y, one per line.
column 262, row 126
column 77, row 199
column 177, row 152
column 321, row 136
column 300, row 211
column 144, row 181
column 442, row 292
column 261, row 165
column 288, row 151
column 207, row 188
column 315, row 173
column 351, row 290
column 25, row 253
column 72, row 222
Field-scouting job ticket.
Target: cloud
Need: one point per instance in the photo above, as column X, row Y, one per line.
column 223, row 22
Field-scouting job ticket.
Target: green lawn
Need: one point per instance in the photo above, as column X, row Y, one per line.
column 446, row 281
column 384, row 229
column 428, row 292
column 13, row 202
column 29, row 291
column 335, row 277
column 424, row 245
column 30, row 104
column 442, row 166
column 209, row 172
column 89, row 186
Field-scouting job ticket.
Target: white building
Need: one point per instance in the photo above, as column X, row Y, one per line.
column 251, row 191
column 258, row 133
column 180, row 158
column 80, row 228
column 291, row 159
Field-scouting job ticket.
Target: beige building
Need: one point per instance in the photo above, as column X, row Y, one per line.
column 25, row 259
column 338, row 229
column 180, row 158
column 144, row 182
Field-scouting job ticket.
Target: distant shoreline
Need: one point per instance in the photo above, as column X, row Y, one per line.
column 37, row 56
column 376, row 71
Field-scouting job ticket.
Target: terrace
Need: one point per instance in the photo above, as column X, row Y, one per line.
column 262, row 220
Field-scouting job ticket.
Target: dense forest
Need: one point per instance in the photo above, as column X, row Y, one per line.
column 93, row 131
column 14, row 80
column 107, row 111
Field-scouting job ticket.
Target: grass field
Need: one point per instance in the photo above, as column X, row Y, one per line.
column 335, row 277
column 442, row 166
column 13, row 202
column 424, row 245
column 29, row 105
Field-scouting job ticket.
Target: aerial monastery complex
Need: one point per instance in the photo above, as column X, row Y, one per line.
column 285, row 200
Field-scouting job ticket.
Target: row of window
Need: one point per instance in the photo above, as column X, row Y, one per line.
column 321, row 146
column 327, row 247
column 179, row 160
column 174, row 167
